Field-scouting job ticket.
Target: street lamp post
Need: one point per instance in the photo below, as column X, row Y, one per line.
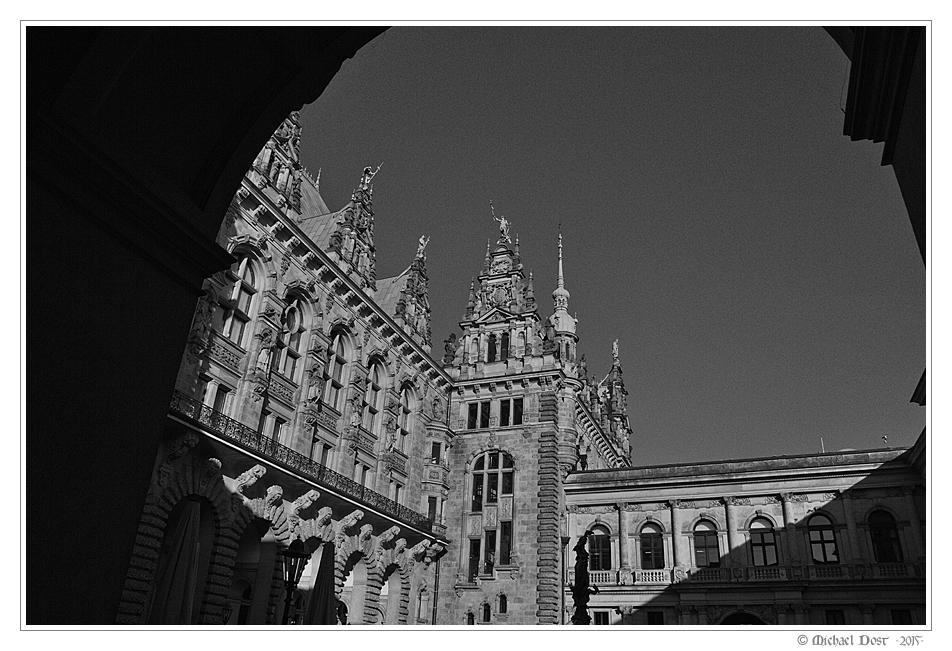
column 295, row 559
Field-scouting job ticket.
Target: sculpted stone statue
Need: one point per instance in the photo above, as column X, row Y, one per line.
column 368, row 176
column 503, row 222
column 424, row 240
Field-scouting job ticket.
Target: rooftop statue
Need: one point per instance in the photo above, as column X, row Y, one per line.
column 503, row 222
column 368, row 176
column 424, row 240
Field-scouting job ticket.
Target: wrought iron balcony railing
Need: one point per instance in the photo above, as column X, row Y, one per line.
column 254, row 441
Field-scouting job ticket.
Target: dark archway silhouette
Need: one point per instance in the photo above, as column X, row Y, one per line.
column 136, row 140
column 741, row 619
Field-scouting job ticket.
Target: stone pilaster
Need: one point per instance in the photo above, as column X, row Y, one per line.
column 548, row 538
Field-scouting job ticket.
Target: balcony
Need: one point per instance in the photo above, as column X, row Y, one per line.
column 603, row 577
column 652, row 576
column 244, row 437
column 773, row 573
column 709, row 574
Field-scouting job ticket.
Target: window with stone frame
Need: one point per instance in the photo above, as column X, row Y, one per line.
column 235, row 307
column 763, row 543
column 373, row 399
column 510, row 412
column 600, row 549
column 291, row 344
column 822, row 540
column 706, row 550
column 403, row 421
column 479, row 413
column 493, row 482
column 336, row 366
column 884, row 535
column 652, row 547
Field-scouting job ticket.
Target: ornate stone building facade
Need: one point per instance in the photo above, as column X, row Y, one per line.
column 309, row 412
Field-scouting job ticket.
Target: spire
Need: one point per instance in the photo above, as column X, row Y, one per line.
column 561, row 295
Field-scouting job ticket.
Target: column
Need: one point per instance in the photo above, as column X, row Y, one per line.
column 919, row 550
column 678, row 556
column 737, row 554
column 867, row 610
column 624, row 567
column 684, row 615
column 800, row 614
column 858, row 555
column 790, row 525
column 211, row 391
column 702, row 616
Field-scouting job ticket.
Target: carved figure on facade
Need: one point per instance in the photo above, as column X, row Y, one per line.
column 304, row 501
column 211, row 470
column 249, row 477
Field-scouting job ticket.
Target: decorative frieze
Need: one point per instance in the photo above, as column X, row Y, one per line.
column 224, row 355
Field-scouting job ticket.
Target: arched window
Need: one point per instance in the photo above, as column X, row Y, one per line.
column 335, row 373
column 493, row 483
column 822, row 540
column 503, row 604
column 290, row 343
column 491, row 349
column 470, row 619
column 504, row 351
column 763, row 542
column 885, row 537
column 234, row 310
column 706, row 553
column 403, row 421
column 487, row 613
column 373, row 400
column 652, row 547
column 600, row 549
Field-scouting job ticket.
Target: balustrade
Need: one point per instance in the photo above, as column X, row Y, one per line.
column 254, row 441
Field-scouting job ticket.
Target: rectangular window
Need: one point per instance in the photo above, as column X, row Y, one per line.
column 505, row 543
column 490, row 553
column 221, row 398
column 484, row 414
column 510, row 412
column 517, row 411
column 706, row 553
column 601, row 618
column 277, row 429
column 507, row 482
column 431, row 508
column 835, row 618
column 397, row 493
column 655, row 617
column 901, row 617
column 473, row 415
column 477, row 504
column 263, row 420
column 436, row 450
column 201, row 391
column 325, row 454
column 600, row 553
column 492, row 488
column 652, row 552
column 473, row 560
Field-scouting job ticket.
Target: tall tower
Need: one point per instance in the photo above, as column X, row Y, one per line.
column 513, row 404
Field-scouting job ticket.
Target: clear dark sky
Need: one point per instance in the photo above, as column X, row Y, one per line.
column 757, row 267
